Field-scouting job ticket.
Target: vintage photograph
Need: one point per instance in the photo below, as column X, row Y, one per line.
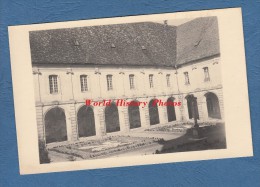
column 150, row 87
column 130, row 91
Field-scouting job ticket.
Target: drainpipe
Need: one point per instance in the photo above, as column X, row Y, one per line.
column 70, row 72
column 121, row 72
column 97, row 72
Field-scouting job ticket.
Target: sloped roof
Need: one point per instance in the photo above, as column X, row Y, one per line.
column 146, row 44
column 197, row 39
column 124, row 44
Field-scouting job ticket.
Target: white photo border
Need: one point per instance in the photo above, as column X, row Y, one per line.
column 234, row 81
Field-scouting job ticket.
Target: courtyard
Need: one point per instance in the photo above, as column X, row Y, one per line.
column 167, row 138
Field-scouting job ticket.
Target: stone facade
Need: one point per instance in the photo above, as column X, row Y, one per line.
column 70, row 98
column 134, row 62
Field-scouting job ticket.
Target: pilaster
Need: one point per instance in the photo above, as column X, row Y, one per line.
column 73, row 135
column 124, row 119
column 102, row 126
column 145, row 119
column 40, row 123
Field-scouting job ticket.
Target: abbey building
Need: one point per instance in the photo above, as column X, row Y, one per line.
column 135, row 62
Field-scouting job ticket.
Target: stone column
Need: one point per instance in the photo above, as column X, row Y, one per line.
column 123, row 119
column 40, row 123
column 200, row 110
column 39, row 106
column 101, row 123
column 144, row 115
column 204, row 109
column 165, row 114
column 162, row 110
column 73, row 133
column 221, row 103
column 179, row 110
column 97, row 122
column 185, row 110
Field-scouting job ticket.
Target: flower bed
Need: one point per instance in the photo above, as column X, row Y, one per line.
column 102, row 147
column 178, row 128
column 181, row 127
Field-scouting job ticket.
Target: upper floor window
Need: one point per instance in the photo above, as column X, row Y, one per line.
column 109, row 82
column 151, row 80
column 53, row 83
column 187, row 79
column 168, row 80
column 83, row 83
column 206, row 74
column 132, row 81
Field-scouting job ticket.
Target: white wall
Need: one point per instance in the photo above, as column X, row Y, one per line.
column 196, row 75
column 70, row 98
column 69, row 84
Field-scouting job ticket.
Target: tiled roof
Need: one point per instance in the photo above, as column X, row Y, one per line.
column 125, row 44
column 146, row 44
column 197, row 39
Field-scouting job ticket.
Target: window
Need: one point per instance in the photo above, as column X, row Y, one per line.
column 187, row 79
column 168, row 76
column 83, row 83
column 206, row 74
column 53, row 83
column 109, row 82
column 131, row 81
column 151, row 80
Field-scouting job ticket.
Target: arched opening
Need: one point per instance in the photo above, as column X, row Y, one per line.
column 190, row 107
column 112, row 118
column 55, row 125
column 213, row 106
column 171, row 110
column 153, row 112
column 86, row 122
column 134, row 115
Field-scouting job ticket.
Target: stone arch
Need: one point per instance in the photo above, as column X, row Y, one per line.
column 190, row 107
column 134, row 115
column 171, row 109
column 55, row 125
column 212, row 103
column 86, row 122
column 112, row 118
column 153, row 112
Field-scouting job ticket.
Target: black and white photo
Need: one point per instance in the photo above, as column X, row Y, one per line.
column 133, row 88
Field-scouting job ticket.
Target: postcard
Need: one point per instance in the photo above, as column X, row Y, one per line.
column 129, row 91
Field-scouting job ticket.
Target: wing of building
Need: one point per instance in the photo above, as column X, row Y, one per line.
column 143, row 62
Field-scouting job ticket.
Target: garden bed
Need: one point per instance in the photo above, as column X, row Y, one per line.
column 181, row 127
column 98, row 148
